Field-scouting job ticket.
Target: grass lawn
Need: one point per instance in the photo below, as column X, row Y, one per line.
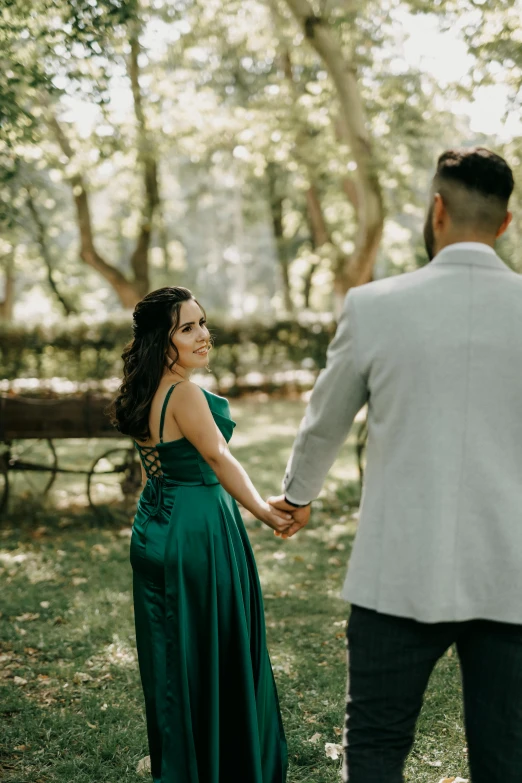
column 70, row 698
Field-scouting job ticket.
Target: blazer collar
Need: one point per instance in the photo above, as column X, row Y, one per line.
column 469, row 254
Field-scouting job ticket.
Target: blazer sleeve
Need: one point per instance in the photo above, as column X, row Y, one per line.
column 338, row 395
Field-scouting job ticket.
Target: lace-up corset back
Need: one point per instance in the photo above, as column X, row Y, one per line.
column 178, row 460
column 149, row 454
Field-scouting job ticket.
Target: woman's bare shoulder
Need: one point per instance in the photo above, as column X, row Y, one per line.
column 188, row 392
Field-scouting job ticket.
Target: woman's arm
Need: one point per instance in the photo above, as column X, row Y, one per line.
column 195, row 420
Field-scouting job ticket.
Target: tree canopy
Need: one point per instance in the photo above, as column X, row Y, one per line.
column 267, row 153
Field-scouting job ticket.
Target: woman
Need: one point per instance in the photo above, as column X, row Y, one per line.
column 210, row 697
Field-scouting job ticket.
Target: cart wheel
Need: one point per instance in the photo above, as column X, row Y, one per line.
column 32, row 467
column 4, row 480
column 114, row 481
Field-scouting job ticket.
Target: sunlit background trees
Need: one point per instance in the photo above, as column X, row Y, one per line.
column 267, row 154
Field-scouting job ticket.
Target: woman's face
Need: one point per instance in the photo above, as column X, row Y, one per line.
column 191, row 338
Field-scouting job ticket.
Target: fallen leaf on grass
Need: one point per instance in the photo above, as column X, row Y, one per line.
column 19, row 681
column 39, row 532
column 334, row 561
column 99, row 549
column 80, row 677
column 22, row 747
column 27, row 617
column 453, row 780
column 332, row 750
column 316, row 737
column 46, row 699
column 79, row 580
column 92, row 725
column 45, row 604
column 143, row 767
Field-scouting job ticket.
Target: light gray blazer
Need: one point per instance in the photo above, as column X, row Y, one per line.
column 437, row 354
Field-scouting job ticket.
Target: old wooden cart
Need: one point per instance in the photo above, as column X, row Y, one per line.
column 29, row 459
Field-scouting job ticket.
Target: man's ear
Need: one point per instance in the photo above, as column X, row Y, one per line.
column 440, row 213
column 507, row 220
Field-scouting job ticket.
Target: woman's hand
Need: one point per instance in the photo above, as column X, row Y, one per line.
column 300, row 515
column 273, row 517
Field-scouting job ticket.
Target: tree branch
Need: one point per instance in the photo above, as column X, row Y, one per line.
column 41, row 238
column 275, row 198
column 88, row 253
column 353, row 128
column 148, row 162
column 320, row 235
column 320, row 232
column 7, row 303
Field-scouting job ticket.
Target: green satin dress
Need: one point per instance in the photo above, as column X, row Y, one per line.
column 210, row 698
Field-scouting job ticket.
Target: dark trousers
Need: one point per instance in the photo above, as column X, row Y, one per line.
column 390, row 662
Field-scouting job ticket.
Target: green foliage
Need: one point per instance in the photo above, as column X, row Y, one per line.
column 90, row 352
column 37, row 38
column 230, row 89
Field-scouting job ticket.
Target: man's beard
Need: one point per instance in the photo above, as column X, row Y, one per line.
column 429, row 236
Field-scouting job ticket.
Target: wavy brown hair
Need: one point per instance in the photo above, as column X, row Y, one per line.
column 155, row 319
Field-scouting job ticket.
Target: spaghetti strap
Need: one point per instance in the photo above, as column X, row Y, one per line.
column 164, row 409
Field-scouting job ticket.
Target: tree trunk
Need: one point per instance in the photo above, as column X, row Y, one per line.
column 127, row 292
column 302, row 132
column 320, row 232
column 41, row 238
column 7, row 303
column 276, row 212
column 148, row 162
column 357, row 268
column 319, row 235
column 163, row 234
column 308, row 281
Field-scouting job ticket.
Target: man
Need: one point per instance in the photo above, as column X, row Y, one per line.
column 437, row 355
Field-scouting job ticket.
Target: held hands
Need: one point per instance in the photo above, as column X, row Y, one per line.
column 278, row 519
column 300, row 516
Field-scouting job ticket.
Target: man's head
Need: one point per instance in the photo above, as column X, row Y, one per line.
column 469, row 199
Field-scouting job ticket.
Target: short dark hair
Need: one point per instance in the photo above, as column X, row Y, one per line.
column 475, row 185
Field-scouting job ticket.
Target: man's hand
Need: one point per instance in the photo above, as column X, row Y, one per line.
column 300, row 515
